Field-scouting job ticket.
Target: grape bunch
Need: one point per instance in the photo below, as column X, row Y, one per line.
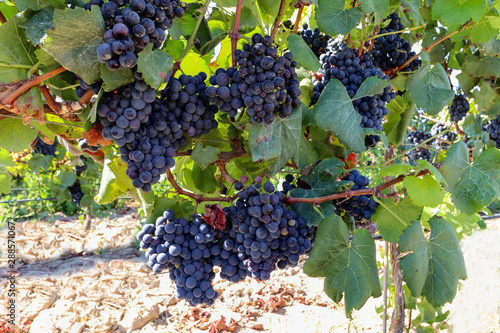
column 264, row 83
column 288, row 183
column 83, row 144
column 493, row 129
column 76, row 192
column 187, row 104
column 459, row 108
column 264, row 234
column 352, row 71
column 419, row 153
column 83, row 87
column 360, row 207
column 43, row 148
column 133, row 27
column 316, row 41
column 81, row 166
column 447, row 136
column 134, row 118
column 392, row 51
column 186, row 248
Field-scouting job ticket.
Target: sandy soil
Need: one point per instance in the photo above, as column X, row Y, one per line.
column 73, row 280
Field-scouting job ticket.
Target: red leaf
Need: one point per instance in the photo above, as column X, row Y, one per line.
column 215, row 216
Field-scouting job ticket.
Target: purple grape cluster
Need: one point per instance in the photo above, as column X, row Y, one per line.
column 392, row 51
column 43, row 148
column 76, row 192
column 134, row 118
column 420, row 153
column 459, row 108
column 493, row 129
column 316, row 41
column 352, row 71
column 447, row 136
column 83, row 87
column 187, row 103
column 264, row 83
column 360, row 207
column 264, row 234
column 133, row 26
column 186, row 248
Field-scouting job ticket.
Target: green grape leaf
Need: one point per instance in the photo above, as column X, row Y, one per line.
column 37, row 24
column 481, row 66
column 350, row 268
column 152, row 64
column 74, row 40
column 457, row 11
column 482, row 31
column 204, row 156
column 430, row 88
column 490, row 48
column 485, row 96
column 114, row 181
column 434, row 265
column 8, row 9
column 280, row 139
column 193, row 63
column 5, row 159
column 472, row 186
column 371, row 86
column 307, row 153
column 16, row 58
column 204, row 179
column 433, row 170
column 208, row 47
column 5, row 181
column 302, row 53
column 268, row 10
column 323, row 175
column 14, row 135
column 467, row 83
column 334, row 19
column 412, row 8
column 334, row 112
column 184, row 26
column 400, row 114
column 395, row 170
column 115, row 79
column 424, row 191
column 22, row 5
column 379, row 7
column 393, row 217
column 181, row 207
column 307, row 211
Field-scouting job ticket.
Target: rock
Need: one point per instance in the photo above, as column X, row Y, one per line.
column 37, row 306
column 77, row 328
column 44, row 322
column 139, row 315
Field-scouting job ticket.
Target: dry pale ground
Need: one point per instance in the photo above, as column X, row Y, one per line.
column 77, row 281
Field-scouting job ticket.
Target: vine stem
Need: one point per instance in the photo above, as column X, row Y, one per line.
column 34, row 81
column 49, row 99
column 197, row 197
column 435, row 120
column 375, row 191
column 298, row 19
column 235, row 35
column 427, row 48
column 386, row 280
column 2, row 18
column 227, row 177
column 190, row 42
column 277, row 21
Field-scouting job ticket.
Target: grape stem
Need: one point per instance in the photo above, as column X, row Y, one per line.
column 27, row 85
column 298, row 19
column 190, row 42
column 277, row 21
column 375, row 191
column 235, row 35
column 395, row 32
column 197, row 197
column 227, row 177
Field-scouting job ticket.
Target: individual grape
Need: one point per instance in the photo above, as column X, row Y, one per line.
column 459, row 108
